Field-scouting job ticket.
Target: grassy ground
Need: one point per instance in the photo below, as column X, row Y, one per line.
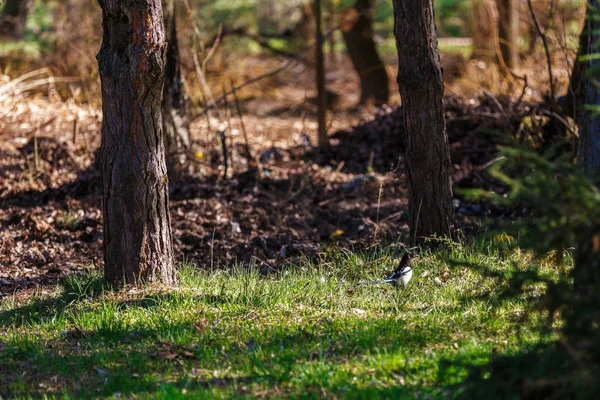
column 308, row 331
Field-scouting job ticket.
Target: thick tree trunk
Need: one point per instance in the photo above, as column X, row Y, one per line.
column 137, row 232
column 13, row 18
column 427, row 151
column 175, row 118
column 508, row 32
column 586, row 317
column 589, row 121
column 374, row 83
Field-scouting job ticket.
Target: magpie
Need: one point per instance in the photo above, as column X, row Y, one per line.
column 400, row 275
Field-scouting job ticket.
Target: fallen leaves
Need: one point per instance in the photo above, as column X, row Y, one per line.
column 170, row 351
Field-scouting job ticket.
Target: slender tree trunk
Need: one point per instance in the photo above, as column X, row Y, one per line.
column 358, row 36
column 586, row 317
column 427, row 151
column 484, row 27
column 508, row 32
column 331, row 22
column 13, row 18
column 137, row 232
column 320, row 71
column 175, row 118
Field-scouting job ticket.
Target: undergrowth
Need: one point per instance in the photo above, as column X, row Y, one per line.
column 307, row 331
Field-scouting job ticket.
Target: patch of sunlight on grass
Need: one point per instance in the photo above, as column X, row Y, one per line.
column 306, row 331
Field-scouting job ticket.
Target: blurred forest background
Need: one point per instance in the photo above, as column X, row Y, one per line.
column 295, row 210
column 263, row 135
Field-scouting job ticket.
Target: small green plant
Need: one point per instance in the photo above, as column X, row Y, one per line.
column 84, row 285
column 69, row 220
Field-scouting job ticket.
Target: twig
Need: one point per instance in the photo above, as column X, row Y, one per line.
column 522, row 96
column 224, row 149
column 228, row 119
column 212, row 251
column 379, row 195
column 213, row 103
column 213, row 47
column 283, row 66
column 260, row 40
column 241, row 118
column 414, row 238
column 249, row 155
column 546, row 48
column 495, row 100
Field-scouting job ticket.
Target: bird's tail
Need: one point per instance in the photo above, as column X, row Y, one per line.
column 375, row 282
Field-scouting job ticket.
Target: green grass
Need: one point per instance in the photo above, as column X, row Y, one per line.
column 308, row 331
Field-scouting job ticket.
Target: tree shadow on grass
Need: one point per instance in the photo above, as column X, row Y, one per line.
column 137, row 360
column 135, row 357
column 77, row 286
column 549, row 369
column 543, row 371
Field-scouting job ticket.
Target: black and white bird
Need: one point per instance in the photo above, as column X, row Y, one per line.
column 400, row 276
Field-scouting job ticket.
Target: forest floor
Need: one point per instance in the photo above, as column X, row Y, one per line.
column 308, row 331
column 351, row 195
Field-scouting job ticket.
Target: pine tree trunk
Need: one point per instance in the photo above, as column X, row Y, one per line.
column 508, row 32
column 374, row 83
column 586, row 317
column 320, row 77
column 427, row 152
column 589, row 121
column 175, row 118
column 13, row 18
column 137, row 233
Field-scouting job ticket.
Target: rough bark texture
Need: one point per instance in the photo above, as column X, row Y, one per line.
column 589, row 122
column 427, row 151
column 13, row 18
column 137, row 234
column 175, row 118
column 374, row 82
column 508, row 32
column 320, row 77
column 587, row 253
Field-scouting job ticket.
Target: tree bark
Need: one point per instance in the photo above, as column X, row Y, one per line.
column 320, row 77
column 137, row 233
column 589, row 121
column 574, row 99
column 508, row 32
column 484, row 27
column 13, row 18
column 175, row 118
column 586, row 316
column 427, row 152
column 374, row 82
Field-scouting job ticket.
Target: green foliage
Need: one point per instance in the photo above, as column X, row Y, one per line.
column 563, row 208
column 452, row 17
column 86, row 284
column 560, row 199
